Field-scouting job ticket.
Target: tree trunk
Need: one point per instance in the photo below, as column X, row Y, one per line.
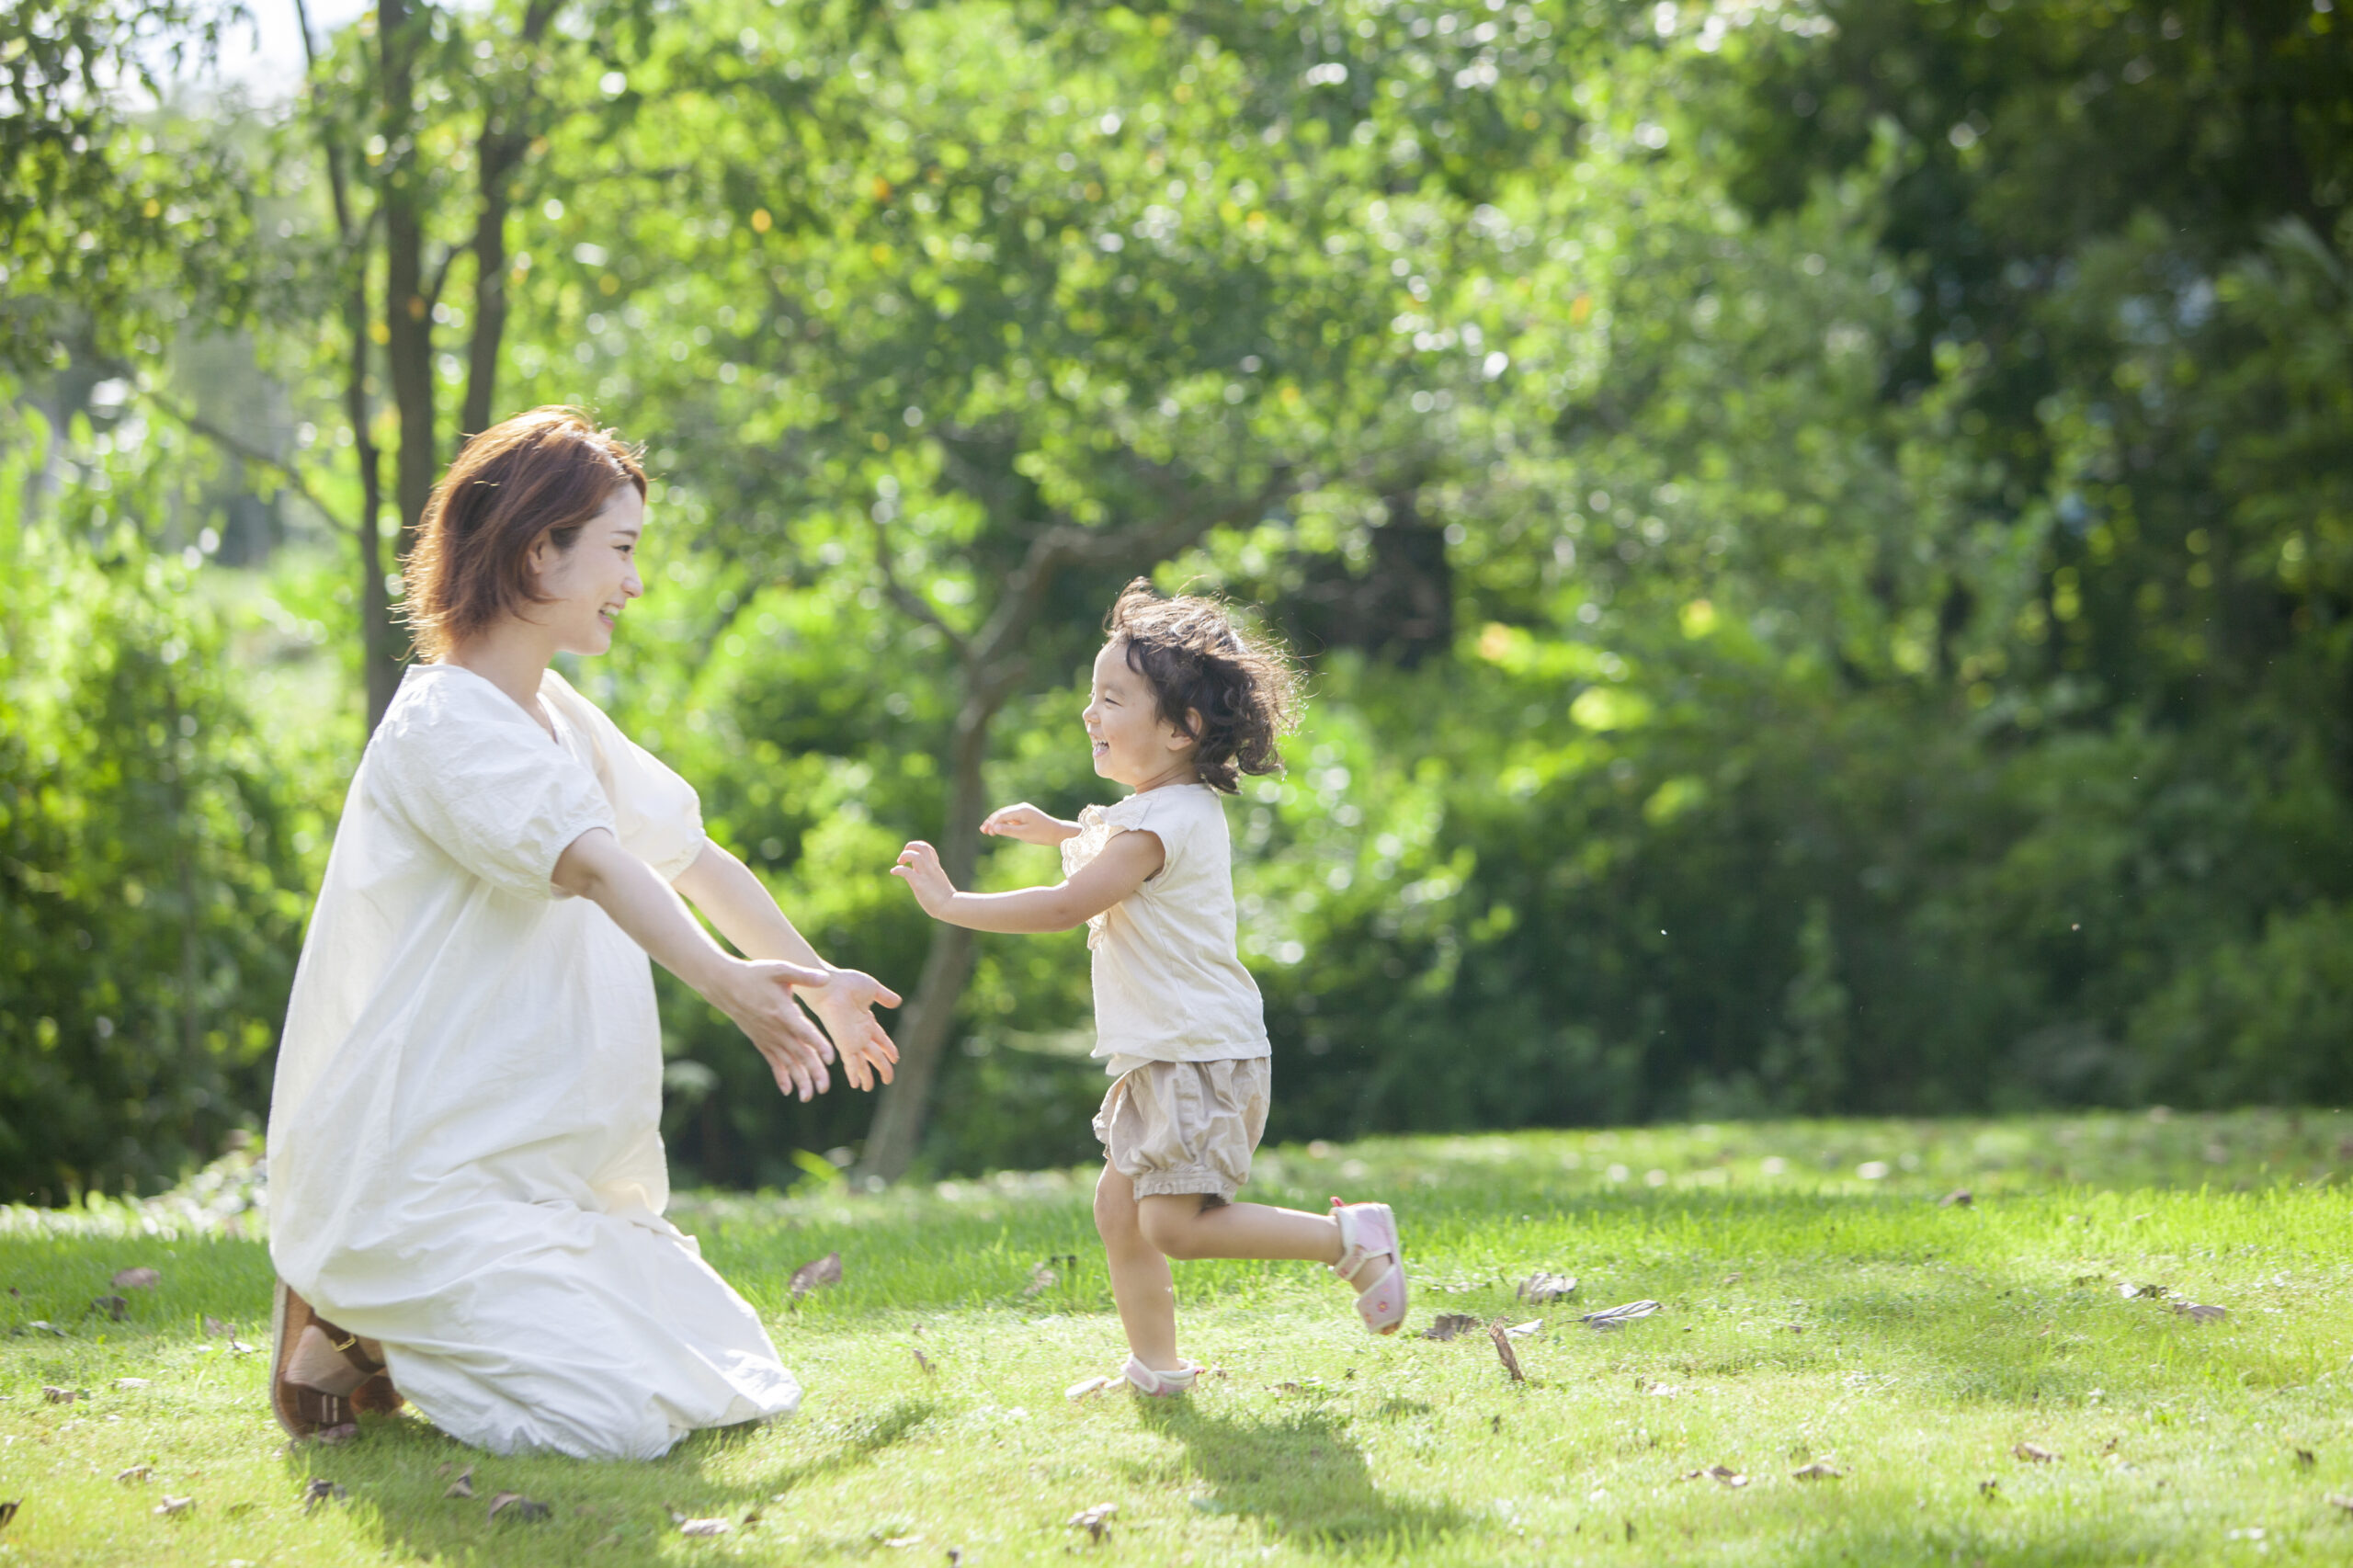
column 922, row 1034
column 408, row 309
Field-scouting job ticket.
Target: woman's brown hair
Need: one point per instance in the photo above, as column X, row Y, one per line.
column 546, row 472
column 1242, row 689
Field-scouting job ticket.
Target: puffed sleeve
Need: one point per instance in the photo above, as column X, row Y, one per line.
column 490, row 789
column 656, row 814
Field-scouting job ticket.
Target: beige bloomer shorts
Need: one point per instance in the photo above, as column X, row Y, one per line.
column 1177, row 1127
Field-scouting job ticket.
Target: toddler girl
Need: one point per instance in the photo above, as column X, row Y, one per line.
column 1183, row 704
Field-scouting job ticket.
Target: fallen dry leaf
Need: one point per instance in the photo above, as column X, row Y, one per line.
column 135, row 1473
column 44, row 1322
column 321, row 1490
column 2335, row 1500
column 1990, row 1489
column 1958, row 1197
column 56, row 1395
column 173, row 1507
column 215, row 1329
column 113, row 1306
column 463, row 1487
column 1086, row 1386
column 8, row 1509
column 1610, row 1319
column 1817, row 1472
column 1503, row 1352
column 707, row 1527
column 515, row 1506
column 2198, row 1312
column 923, row 1362
column 2131, row 1291
column 2034, row 1453
column 1528, row 1330
column 1540, row 1288
column 826, row 1270
column 130, row 1382
column 1092, row 1521
column 903, row 1541
column 1445, row 1325
column 239, row 1347
column 136, row 1279
column 1040, row 1279
column 2306, row 1458
column 1721, row 1475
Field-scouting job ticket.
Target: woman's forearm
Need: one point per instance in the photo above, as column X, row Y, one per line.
column 735, row 900
column 598, row 868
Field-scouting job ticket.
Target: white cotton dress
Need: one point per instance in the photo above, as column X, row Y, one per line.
column 464, row 1148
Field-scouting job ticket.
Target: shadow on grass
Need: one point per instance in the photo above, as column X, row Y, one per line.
column 1301, row 1475
column 401, row 1471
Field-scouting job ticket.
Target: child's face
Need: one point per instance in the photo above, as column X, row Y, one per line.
column 1133, row 745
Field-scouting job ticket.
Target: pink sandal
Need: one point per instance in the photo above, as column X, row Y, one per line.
column 1161, row 1385
column 1371, row 1260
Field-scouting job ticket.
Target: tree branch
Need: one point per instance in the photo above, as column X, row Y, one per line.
column 911, row 603
column 198, row 424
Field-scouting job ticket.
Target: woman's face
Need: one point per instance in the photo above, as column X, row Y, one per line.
column 586, row 586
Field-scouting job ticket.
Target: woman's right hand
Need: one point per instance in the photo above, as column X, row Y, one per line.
column 758, row 996
column 1028, row 823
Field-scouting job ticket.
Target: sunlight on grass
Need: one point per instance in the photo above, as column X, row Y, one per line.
column 1823, row 1305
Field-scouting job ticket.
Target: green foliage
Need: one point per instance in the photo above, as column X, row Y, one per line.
column 151, row 886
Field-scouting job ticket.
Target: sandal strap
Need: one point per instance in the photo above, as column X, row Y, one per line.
column 348, row 1343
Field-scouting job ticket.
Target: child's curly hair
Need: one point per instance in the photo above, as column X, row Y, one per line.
column 1244, row 689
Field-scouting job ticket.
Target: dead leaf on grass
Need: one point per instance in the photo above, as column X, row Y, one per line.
column 1093, row 1521
column 1610, row 1319
column 1958, row 1197
column 239, row 1347
column 699, row 1526
column 826, row 1270
column 1721, row 1475
column 2335, row 1500
column 130, row 1382
column 463, row 1487
column 902, row 1542
column 2132, row 1292
column 1040, row 1279
column 1503, row 1352
column 1817, row 1472
column 113, row 1306
column 44, row 1322
column 1445, row 1325
column 321, row 1490
column 1086, row 1386
column 56, row 1395
column 515, row 1506
column 923, row 1362
column 173, row 1507
column 8, row 1510
column 2198, row 1312
column 1528, row 1330
column 1540, row 1288
column 141, row 1279
column 2034, row 1453
column 215, row 1329
column 1990, row 1489
column 135, row 1473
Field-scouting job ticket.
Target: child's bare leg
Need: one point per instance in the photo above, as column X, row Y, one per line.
column 1177, row 1226
column 1140, row 1278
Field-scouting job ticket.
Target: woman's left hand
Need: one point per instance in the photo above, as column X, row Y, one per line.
column 844, row 1005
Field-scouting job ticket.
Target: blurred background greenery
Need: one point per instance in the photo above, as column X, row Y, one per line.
column 1823, row 530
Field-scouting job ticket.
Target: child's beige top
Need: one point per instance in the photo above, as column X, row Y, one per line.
column 1168, row 985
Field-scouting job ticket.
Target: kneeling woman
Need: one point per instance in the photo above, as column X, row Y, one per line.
column 466, row 1171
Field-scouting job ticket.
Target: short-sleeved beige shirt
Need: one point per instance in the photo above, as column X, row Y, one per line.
column 1168, row 986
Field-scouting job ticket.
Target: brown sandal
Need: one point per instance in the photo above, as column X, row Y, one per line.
column 306, row 1412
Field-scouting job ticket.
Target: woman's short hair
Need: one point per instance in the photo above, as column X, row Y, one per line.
column 548, row 471
column 1236, row 693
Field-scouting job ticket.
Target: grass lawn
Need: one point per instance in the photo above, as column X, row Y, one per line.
column 1820, row 1308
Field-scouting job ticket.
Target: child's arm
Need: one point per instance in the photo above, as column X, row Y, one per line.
column 1028, row 823
column 733, row 899
column 1123, row 866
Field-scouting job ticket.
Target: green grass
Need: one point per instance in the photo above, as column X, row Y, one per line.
column 1811, row 1315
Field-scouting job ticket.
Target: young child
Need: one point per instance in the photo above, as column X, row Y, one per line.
column 1183, row 704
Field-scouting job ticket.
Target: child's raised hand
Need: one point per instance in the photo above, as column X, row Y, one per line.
column 1028, row 823
column 920, row 869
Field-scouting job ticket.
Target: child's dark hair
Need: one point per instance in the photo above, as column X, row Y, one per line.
column 1198, row 662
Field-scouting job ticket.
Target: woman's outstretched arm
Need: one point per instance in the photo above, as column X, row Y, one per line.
column 758, row 993
column 749, row 916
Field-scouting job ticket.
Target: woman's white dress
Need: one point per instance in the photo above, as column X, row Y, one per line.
column 464, row 1149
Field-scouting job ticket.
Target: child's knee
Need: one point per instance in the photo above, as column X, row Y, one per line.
column 1115, row 1212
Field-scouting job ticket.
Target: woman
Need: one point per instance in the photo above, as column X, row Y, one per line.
column 467, row 1179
